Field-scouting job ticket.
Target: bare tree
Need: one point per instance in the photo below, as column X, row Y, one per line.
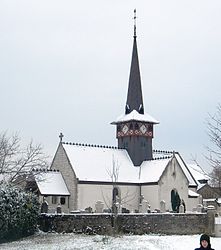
column 114, row 173
column 118, row 199
column 214, row 151
column 16, row 161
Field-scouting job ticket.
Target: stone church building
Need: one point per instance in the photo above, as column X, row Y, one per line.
column 126, row 175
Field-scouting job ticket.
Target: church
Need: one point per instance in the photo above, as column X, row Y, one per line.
column 84, row 175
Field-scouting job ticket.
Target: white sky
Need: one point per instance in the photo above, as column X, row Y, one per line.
column 64, row 67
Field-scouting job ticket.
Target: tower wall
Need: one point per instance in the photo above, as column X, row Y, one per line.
column 139, row 148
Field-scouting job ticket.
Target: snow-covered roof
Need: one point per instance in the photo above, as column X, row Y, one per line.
column 186, row 170
column 200, row 185
column 96, row 163
column 155, row 167
column 218, row 200
column 51, row 183
column 192, row 194
column 210, row 199
column 197, row 172
column 93, row 163
column 135, row 116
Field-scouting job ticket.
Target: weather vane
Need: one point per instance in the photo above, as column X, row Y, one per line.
column 135, row 17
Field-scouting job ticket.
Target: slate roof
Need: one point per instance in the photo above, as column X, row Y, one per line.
column 134, row 94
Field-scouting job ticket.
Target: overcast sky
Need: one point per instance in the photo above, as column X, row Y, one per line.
column 64, row 67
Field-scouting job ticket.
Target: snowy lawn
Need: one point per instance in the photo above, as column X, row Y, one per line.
column 73, row 241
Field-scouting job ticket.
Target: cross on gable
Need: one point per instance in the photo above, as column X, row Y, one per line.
column 61, row 137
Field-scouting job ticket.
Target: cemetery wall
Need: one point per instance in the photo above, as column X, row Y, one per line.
column 162, row 223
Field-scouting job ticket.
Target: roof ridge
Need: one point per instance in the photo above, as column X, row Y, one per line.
column 44, row 170
column 90, row 145
column 160, row 158
column 164, row 151
column 114, row 147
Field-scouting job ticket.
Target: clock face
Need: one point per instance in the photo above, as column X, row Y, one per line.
column 125, row 129
column 143, row 129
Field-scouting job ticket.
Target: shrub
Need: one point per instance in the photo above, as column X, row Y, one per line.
column 18, row 213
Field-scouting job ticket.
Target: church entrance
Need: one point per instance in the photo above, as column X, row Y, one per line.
column 175, row 200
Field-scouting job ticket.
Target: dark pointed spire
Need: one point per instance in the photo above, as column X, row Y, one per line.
column 135, row 27
column 134, row 94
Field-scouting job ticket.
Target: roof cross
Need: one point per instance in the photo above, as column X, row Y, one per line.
column 61, row 137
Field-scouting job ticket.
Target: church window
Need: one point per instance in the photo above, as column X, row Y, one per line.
column 150, row 127
column 62, row 200
column 54, row 200
column 136, row 126
column 118, row 128
column 131, row 126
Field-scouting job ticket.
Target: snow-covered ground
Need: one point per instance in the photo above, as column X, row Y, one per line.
column 73, row 241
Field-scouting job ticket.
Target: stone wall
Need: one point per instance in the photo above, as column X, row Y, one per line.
column 164, row 224
column 77, row 223
column 168, row 223
column 62, row 163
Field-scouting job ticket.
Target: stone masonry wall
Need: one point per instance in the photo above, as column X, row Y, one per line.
column 77, row 223
column 164, row 224
column 178, row 224
column 61, row 163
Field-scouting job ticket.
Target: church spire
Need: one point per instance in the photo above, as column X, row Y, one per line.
column 135, row 128
column 135, row 26
column 134, row 94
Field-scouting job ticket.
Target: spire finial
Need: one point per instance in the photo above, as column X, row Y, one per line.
column 61, row 137
column 135, row 17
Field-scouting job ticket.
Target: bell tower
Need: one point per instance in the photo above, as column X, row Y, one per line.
column 135, row 128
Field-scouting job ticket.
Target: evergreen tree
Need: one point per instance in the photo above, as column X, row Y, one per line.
column 18, row 213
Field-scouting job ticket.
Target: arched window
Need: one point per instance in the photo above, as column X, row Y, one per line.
column 116, row 197
column 175, row 200
column 131, row 126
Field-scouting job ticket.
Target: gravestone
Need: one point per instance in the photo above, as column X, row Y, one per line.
column 44, row 207
column 99, row 206
column 58, row 209
column 148, row 208
column 119, row 207
column 88, row 209
column 194, row 209
column 162, row 206
column 199, row 208
column 211, row 220
column 143, row 207
column 181, row 209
